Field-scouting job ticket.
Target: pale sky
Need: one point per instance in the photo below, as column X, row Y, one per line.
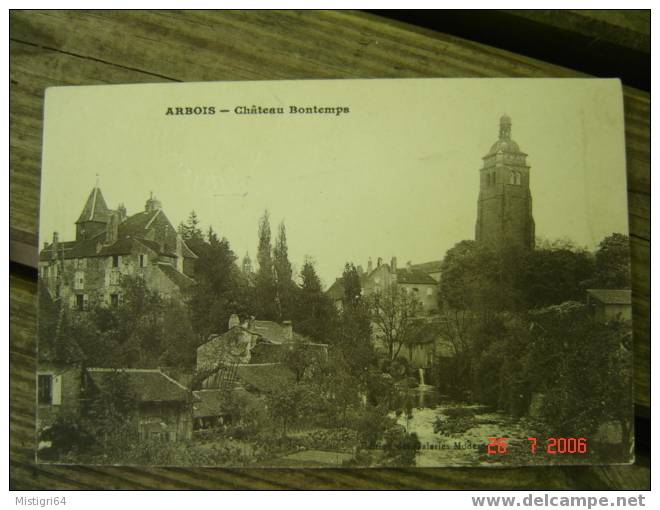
column 397, row 176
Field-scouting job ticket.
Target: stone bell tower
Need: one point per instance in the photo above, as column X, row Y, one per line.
column 504, row 210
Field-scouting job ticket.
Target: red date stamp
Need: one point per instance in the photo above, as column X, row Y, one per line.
column 551, row 445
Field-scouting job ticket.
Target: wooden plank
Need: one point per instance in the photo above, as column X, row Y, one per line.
column 76, row 47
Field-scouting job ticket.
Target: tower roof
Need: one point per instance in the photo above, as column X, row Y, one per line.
column 95, row 208
column 504, row 143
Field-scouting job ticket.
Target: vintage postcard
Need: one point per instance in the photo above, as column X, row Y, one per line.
column 347, row 273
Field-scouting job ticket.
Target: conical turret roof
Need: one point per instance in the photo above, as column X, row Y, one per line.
column 95, row 208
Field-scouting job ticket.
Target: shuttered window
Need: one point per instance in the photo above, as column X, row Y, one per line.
column 45, row 389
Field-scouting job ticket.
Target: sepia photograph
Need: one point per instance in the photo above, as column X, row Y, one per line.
column 337, row 273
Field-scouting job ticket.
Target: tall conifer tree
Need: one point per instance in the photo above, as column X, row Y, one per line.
column 266, row 289
column 283, row 275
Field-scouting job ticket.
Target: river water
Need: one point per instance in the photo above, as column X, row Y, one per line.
column 461, row 449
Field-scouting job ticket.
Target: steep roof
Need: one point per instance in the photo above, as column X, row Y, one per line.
column 265, row 377
column 435, row 266
column 209, row 402
column 412, row 276
column 611, row 296
column 148, row 385
column 336, row 290
column 95, row 208
column 270, row 330
column 87, row 248
column 179, row 279
column 130, row 230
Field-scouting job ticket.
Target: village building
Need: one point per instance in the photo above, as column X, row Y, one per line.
column 504, row 208
column 608, row 305
column 58, row 392
column 250, row 357
column 109, row 245
column 162, row 404
column 412, row 279
column 247, row 349
column 432, row 268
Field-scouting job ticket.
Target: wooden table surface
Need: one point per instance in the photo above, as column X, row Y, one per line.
column 80, row 48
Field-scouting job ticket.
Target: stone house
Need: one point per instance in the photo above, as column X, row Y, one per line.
column 109, row 245
column 432, row 268
column 231, row 358
column 413, row 279
column 58, row 392
column 164, row 406
column 610, row 304
column 209, row 408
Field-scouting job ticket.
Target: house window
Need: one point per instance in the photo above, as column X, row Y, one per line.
column 429, row 291
column 80, row 301
column 45, row 389
column 143, row 260
column 415, row 289
column 115, row 261
column 114, row 300
column 79, row 280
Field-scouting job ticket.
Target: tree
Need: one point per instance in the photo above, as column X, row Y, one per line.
column 313, row 313
column 265, row 282
column 393, row 313
column 290, row 403
column 56, row 341
column 554, row 275
column 352, row 285
column 352, row 338
column 400, row 446
column 613, row 263
column 111, row 409
column 221, row 288
column 283, row 275
column 480, row 278
column 190, row 230
column 586, row 381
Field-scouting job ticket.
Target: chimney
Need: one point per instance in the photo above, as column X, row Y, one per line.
column 409, row 266
column 379, row 261
column 393, row 265
column 370, row 265
column 287, row 326
column 121, row 209
column 234, row 321
column 111, row 228
column 56, row 245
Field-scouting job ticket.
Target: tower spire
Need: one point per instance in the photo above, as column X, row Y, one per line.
column 504, row 208
column 505, row 127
